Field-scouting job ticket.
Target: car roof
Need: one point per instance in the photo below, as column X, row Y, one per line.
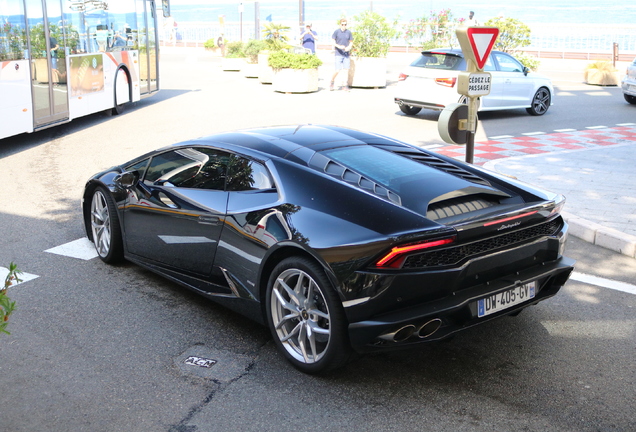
column 294, row 142
column 454, row 51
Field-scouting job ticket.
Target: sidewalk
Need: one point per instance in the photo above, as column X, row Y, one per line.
column 594, row 169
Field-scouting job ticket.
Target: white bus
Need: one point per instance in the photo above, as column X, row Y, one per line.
column 63, row 59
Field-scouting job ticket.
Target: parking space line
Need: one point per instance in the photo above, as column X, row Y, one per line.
column 81, row 249
column 603, row 282
column 25, row 277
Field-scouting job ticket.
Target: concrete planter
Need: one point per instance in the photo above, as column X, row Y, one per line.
column 232, row 64
column 367, row 72
column 295, row 80
column 250, row 70
column 601, row 77
column 265, row 72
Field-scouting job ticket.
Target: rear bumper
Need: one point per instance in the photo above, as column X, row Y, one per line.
column 457, row 311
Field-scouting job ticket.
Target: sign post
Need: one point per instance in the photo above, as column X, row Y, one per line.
column 476, row 44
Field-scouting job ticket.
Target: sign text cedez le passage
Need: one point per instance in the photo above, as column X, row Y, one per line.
column 478, row 83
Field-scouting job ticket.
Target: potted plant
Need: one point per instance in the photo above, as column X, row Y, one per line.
column 372, row 36
column 294, row 73
column 601, row 73
column 252, row 50
column 235, row 57
column 276, row 40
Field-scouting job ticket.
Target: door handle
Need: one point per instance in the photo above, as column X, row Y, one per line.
column 209, row 220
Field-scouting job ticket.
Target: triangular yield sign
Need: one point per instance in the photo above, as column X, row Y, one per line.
column 481, row 41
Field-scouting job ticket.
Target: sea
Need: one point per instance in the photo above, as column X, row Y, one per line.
column 529, row 12
column 556, row 24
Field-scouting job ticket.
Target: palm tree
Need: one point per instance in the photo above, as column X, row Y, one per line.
column 275, row 37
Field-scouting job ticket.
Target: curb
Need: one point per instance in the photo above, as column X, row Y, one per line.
column 599, row 235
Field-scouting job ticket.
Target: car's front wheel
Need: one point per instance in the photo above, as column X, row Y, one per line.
column 306, row 317
column 105, row 228
column 540, row 102
column 410, row 110
column 629, row 98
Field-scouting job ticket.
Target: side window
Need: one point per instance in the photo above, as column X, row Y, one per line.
column 140, row 167
column 199, row 168
column 489, row 66
column 508, row 64
column 245, row 174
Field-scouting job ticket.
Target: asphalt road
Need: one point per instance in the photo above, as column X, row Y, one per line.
column 101, row 348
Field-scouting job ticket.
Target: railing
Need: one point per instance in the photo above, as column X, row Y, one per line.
column 588, row 39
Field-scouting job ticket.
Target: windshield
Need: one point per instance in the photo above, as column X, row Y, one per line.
column 439, row 61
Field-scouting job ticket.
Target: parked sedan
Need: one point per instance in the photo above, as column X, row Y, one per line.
column 336, row 239
column 431, row 82
column 629, row 83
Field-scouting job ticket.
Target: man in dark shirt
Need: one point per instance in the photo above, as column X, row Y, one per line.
column 342, row 43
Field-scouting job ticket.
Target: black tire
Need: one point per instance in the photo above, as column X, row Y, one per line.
column 540, row 102
column 629, row 98
column 119, row 108
column 309, row 330
column 105, row 228
column 410, row 110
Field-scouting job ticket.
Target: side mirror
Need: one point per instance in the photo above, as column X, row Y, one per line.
column 526, row 70
column 127, row 179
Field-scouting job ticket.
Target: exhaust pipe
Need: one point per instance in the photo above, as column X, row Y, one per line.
column 400, row 335
column 429, row 328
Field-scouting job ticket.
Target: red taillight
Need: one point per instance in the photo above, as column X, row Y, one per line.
column 395, row 258
column 402, row 77
column 447, row 82
column 498, row 221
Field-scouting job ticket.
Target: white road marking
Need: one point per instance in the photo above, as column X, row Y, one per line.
column 565, row 130
column 500, row 137
column 625, row 124
column 81, row 249
column 533, row 133
column 25, row 277
column 596, row 127
column 604, row 283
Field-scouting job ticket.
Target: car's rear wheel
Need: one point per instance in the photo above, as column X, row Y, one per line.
column 306, row 317
column 629, row 98
column 410, row 110
column 105, row 227
column 540, row 102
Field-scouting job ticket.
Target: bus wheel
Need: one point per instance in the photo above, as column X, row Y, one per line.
column 122, row 92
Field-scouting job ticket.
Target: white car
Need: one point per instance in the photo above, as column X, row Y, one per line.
column 431, row 82
column 629, row 83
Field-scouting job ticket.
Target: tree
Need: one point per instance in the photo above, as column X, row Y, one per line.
column 513, row 34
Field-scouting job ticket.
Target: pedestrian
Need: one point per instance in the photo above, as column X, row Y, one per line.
column 220, row 42
column 309, row 38
column 471, row 21
column 53, row 47
column 342, row 43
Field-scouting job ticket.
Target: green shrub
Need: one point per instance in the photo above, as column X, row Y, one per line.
column 253, row 48
column 372, row 34
column 210, row 44
column 529, row 61
column 284, row 59
column 6, row 305
column 235, row 49
column 513, row 34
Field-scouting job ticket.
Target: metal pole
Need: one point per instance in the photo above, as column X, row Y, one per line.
column 257, row 21
column 301, row 14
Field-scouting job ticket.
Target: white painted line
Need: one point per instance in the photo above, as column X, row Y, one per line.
column 565, row 130
column 533, row 133
column 605, row 283
column 25, row 277
column 500, row 137
column 626, row 124
column 596, row 127
column 81, row 248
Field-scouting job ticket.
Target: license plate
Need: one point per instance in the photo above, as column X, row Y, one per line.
column 505, row 299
